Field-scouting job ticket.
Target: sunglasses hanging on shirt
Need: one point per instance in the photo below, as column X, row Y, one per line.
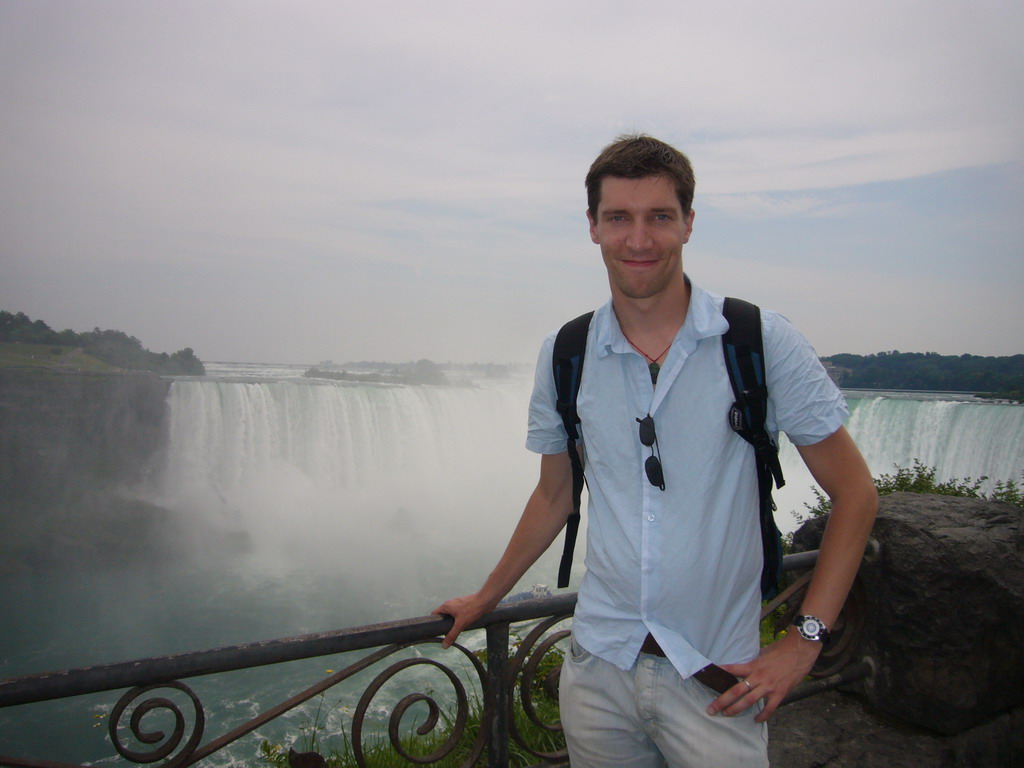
column 649, row 438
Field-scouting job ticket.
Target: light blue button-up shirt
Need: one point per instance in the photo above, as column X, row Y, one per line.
column 685, row 563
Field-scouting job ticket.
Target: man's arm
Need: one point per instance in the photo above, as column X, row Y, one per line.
column 545, row 514
column 840, row 470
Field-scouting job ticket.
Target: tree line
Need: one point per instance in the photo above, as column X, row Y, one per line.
column 1002, row 376
column 114, row 347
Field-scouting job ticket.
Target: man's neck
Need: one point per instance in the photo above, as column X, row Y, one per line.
column 655, row 319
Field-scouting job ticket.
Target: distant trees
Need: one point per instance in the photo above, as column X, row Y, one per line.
column 114, row 347
column 931, row 371
column 428, row 372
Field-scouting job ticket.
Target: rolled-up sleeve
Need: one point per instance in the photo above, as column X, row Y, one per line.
column 545, row 433
column 803, row 401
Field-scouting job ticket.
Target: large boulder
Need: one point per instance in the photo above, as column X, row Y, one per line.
column 944, row 580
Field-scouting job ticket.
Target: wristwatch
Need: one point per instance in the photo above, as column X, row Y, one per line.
column 811, row 628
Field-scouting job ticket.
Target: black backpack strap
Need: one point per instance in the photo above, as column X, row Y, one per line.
column 567, row 367
column 743, row 348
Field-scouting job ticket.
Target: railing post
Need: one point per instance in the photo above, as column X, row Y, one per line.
column 497, row 685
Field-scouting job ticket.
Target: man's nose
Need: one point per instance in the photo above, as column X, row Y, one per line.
column 639, row 236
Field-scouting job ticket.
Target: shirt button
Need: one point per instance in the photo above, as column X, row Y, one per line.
column 650, row 518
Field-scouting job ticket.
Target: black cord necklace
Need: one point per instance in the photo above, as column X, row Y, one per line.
column 652, row 362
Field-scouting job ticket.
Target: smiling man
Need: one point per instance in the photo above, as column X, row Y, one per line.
column 664, row 663
column 641, row 238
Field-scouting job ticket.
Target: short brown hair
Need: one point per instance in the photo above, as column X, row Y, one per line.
column 634, row 156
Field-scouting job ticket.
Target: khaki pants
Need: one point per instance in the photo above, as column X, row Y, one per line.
column 649, row 717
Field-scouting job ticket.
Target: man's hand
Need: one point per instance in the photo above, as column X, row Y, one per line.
column 464, row 610
column 770, row 676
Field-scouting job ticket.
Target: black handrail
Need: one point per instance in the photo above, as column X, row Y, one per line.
column 108, row 677
column 498, row 680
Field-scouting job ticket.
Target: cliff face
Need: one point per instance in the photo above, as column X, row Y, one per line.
column 69, row 444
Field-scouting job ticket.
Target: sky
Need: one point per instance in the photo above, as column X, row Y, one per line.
column 299, row 181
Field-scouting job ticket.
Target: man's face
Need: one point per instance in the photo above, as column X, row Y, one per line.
column 641, row 229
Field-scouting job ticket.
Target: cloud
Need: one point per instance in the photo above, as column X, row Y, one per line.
column 289, row 166
column 763, row 206
column 794, row 162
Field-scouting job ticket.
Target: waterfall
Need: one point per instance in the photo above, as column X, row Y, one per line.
column 960, row 437
column 362, row 463
column 318, row 471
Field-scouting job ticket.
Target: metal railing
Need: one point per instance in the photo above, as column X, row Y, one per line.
column 507, row 684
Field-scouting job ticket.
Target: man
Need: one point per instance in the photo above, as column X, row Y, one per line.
column 672, row 586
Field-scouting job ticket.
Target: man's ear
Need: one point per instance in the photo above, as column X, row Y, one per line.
column 688, row 228
column 593, row 228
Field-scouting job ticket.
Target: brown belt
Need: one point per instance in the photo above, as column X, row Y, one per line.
column 713, row 676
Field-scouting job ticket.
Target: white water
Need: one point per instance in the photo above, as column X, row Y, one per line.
column 362, row 461
column 961, row 437
column 323, row 470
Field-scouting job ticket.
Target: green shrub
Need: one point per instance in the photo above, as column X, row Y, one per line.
column 921, row 479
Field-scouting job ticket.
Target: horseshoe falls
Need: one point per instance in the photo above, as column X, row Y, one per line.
column 960, row 436
column 957, row 438
column 414, row 481
column 426, row 477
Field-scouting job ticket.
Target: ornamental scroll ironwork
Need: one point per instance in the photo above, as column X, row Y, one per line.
column 532, row 653
column 531, row 671
column 135, row 709
column 458, row 723
column 137, row 704
column 509, row 687
column 164, row 744
column 528, row 661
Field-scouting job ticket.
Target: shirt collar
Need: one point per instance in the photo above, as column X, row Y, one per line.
column 703, row 319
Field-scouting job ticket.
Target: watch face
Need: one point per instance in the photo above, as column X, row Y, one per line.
column 811, row 627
